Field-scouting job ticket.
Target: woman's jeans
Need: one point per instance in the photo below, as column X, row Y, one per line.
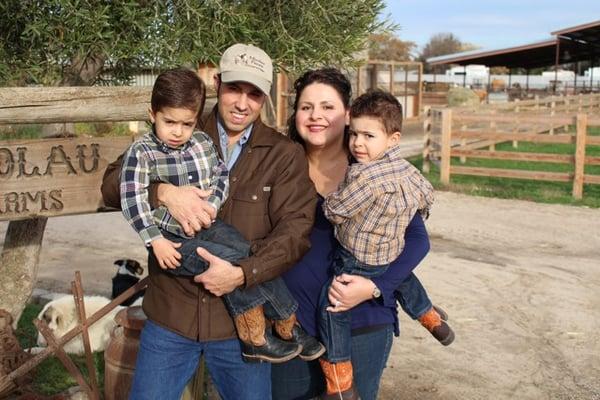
column 167, row 361
column 301, row 380
column 224, row 241
column 334, row 327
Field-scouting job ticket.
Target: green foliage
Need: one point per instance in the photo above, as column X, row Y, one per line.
column 507, row 188
column 51, row 377
column 76, row 42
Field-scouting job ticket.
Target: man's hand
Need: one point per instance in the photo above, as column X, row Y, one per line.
column 347, row 291
column 221, row 277
column 166, row 253
column 188, row 205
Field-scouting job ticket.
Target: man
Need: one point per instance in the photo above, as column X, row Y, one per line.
column 271, row 202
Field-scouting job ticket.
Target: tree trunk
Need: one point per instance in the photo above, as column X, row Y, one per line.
column 19, row 263
column 83, row 71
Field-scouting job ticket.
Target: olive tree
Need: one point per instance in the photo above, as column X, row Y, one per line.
column 84, row 42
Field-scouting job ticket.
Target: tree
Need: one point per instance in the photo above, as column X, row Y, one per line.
column 386, row 46
column 441, row 44
column 76, row 42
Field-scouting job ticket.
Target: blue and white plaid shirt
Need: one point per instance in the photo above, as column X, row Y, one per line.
column 149, row 160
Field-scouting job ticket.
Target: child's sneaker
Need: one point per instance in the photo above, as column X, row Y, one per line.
column 434, row 320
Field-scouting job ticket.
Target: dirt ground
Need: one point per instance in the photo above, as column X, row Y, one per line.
column 521, row 282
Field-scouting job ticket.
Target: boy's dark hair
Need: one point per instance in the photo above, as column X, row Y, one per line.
column 178, row 88
column 327, row 76
column 381, row 105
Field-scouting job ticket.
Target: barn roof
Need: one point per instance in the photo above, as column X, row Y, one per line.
column 581, row 42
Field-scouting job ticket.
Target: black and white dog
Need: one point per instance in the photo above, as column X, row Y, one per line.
column 127, row 275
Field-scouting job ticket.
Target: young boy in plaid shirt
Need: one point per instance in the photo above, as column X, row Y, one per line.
column 174, row 152
column 370, row 212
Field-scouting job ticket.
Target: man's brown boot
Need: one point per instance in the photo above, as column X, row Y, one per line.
column 434, row 320
column 290, row 330
column 258, row 344
column 338, row 377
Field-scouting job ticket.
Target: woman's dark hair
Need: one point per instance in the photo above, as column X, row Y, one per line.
column 327, row 76
column 178, row 88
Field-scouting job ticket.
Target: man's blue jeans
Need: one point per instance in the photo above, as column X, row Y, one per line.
column 167, row 361
column 301, row 380
column 224, row 241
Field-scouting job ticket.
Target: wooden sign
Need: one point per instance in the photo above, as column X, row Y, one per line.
column 55, row 176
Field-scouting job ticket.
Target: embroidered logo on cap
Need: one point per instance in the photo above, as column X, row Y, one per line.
column 249, row 61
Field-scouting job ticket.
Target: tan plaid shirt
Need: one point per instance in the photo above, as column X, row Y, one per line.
column 374, row 205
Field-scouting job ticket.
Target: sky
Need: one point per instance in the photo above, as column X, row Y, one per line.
column 489, row 24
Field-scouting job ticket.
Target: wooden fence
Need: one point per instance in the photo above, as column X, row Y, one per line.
column 464, row 133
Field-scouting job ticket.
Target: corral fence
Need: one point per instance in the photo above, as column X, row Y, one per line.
column 474, row 132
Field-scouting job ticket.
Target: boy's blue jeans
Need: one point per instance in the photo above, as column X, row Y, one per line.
column 335, row 327
column 412, row 297
column 224, row 241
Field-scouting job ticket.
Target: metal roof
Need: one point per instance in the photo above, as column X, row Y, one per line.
column 573, row 44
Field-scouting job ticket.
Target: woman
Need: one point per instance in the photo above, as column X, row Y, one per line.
column 319, row 122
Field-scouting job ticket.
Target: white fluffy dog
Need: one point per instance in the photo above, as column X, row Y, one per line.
column 61, row 316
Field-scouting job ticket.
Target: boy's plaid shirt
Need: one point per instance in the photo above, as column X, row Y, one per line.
column 375, row 204
column 149, row 160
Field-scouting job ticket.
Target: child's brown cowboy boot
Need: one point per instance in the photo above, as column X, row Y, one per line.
column 290, row 330
column 338, row 377
column 258, row 344
column 434, row 320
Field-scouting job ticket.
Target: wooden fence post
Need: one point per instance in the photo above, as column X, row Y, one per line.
column 19, row 263
column 493, row 128
column 426, row 138
column 515, row 143
column 552, row 106
column 281, row 102
column 581, row 124
column 446, row 144
column 463, row 142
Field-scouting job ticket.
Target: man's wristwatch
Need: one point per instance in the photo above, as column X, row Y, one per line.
column 376, row 292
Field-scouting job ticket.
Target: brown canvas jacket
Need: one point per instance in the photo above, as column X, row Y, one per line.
column 271, row 202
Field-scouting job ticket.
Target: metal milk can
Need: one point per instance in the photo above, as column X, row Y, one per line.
column 121, row 353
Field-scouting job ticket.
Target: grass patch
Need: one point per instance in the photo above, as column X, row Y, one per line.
column 21, row 132
column 95, row 129
column 51, row 377
column 508, row 188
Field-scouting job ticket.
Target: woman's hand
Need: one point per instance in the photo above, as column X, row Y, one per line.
column 221, row 277
column 188, row 205
column 347, row 291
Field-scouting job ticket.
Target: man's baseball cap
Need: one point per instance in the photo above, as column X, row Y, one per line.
column 247, row 63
